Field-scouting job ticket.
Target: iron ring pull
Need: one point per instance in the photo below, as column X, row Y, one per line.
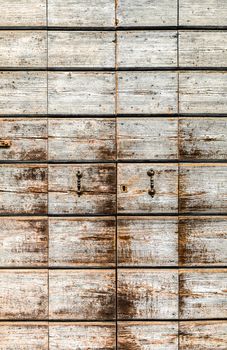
column 79, row 176
column 151, row 190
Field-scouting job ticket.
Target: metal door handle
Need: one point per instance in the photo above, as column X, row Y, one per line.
column 151, row 190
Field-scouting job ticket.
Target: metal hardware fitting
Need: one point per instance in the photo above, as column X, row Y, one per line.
column 5, row 143
column 79, row 176
column 151, row 190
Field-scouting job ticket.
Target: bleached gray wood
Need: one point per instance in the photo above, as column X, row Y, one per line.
column 147, row 13
column 23, row 92
column 81, row 13
column 147, row 138
column 147, row 49
column 82, row 294
column 81, row 49
column 81, row 93
column 147, row 92
column 81, row 139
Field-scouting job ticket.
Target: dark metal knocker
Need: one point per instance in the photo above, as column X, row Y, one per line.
column 79, row 176
column 151, row 190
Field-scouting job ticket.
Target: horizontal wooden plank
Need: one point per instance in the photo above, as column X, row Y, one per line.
column 74, row 336
column 202, row 92
column 134, row 185
column 82, row 139
column 203, row 138
column 198, row 48
column 82, row 294
column 23, row 189
column 147, row 92
column 203, row 188
column 203, row 241
column 82, row 241
column 147, row 138
column 23, row 294
column 147, row 294
column 81, row 49
column 23, row 12
column 23, row 92
column 24, row 242
column 98, row 189
column 147, row 13
column 203, row 293
column 81, row 93
column 147, row 49
column 24, row 335
column 148, row 335
column 147, row 241
column 27, row 139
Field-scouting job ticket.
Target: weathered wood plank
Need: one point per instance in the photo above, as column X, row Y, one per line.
column 81, row 13
column 23, row 294
column 24, row 336
column 147, row 294
column 24, row 242
column 199, row 48
column 81, row 49
column 82, row 139
column 82, row 241
column 27, row 139
column 74, row 336
column 98, row 189
column 203, row 293
column 23, row 48
column 203, row 241
column 147, row 13
column 23, row 189
column 202, row 92
column 147, row 241
column 202, row 138
column 203, row 335
column 134, row 186
column 81, row 93
column 148, row 335
column 147, row 92
column 23, row 12
column 23, row 92
column 147, row 138
column 82, row 294
column 203, row 188
column 147, row 49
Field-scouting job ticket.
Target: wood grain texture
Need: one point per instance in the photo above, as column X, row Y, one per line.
column 147, row 92
column 82, row 139
column 82, row 242
column 24, row 336
column 203, row 138
column 81, row 93
column 23, row 92
column 147, row 13
column 134, row 197
column 81, row 13
column 147, row 241
column 82, row 294
column 81, row 49
column 203, row 293
column 23, row 189
column 23, row 294
column 147, row 138
column 203, row 241
column 23, row 49
column 24, row 242
column 202, row 92
column 147, row 335
column 28, row 138
column 147, row 294
column 74, row 336
column 203, row 188
column 203, row 335
column 98, row 186
column 146, row 49
column 202, row 48
column 23, row 12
